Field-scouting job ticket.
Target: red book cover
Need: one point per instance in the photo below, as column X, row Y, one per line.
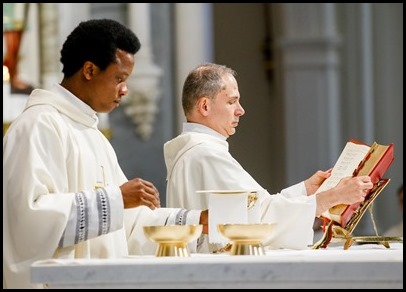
column 375, row 163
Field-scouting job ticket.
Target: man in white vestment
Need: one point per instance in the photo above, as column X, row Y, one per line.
column 199, row 159
column 64, row 193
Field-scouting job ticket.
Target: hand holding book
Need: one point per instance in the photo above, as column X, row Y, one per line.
column 356, row 160
column 358, row 166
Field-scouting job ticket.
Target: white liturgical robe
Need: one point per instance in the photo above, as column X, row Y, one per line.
column 61, row 195
column 199, row 159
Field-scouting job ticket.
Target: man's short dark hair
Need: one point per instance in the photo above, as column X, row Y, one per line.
column 97, row 41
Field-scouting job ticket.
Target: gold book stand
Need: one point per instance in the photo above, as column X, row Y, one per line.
column 336, row 233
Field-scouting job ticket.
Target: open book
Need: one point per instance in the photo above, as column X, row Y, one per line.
column 356, row 159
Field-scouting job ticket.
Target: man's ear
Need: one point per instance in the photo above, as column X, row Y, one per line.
column 203, row 106
column 89, row 70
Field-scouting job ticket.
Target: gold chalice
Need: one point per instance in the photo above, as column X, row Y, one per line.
column 172, row 240
column 246, row 239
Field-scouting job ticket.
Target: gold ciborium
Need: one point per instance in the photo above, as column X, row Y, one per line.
column 172, row 240
column 246, row 239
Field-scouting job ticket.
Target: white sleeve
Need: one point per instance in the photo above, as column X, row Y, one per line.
column 93, row 213
column 297, row 190
column 294, row 218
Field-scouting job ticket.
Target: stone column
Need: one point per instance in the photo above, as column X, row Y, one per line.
column 141, row 104
column 358, row 27
column 308, row 44
column 194, row 43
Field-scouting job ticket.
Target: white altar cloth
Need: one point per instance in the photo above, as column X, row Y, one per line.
column 361, row 266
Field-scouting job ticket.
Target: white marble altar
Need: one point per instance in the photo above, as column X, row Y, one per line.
column 361, row 267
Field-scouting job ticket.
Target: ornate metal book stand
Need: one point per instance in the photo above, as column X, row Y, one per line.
column 334, row 232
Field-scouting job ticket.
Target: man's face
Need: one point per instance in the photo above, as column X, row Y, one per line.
column 225, row 109
column 109, row 86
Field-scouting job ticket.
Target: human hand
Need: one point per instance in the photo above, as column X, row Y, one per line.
column 348, row 191
column 313, row 183
column 137, row 192
column 352, row 190
column 204, row 220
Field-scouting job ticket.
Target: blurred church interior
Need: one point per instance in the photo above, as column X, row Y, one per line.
column 312, row 76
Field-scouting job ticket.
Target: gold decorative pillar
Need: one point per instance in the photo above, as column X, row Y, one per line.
column 6, row 96
column 49, row 46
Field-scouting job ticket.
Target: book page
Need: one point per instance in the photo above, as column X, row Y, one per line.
column 347, row 162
